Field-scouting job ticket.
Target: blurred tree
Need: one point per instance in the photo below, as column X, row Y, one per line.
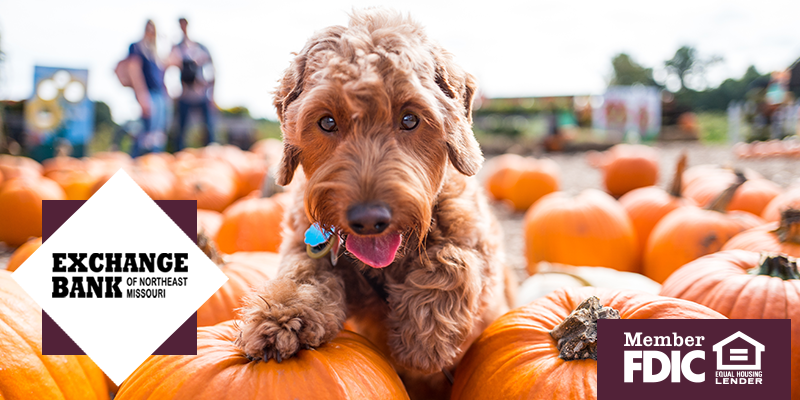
column 627, row 72
column 102, row 115
column 235, row 111
column 105, row 129
column 719, row 97
column 267, row 128
column 686, row 62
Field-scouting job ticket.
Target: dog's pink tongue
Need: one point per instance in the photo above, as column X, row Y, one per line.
column 377, row 252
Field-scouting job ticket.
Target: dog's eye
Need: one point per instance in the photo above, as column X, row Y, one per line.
column 327, row 124
column 409, row 122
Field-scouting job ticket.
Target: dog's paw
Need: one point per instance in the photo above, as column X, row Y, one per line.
column 270, row 336
column 286, row 317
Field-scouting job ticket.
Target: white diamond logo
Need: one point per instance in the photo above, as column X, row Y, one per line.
column 119, row 333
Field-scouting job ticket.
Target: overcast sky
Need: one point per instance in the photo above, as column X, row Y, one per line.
column 514, row 48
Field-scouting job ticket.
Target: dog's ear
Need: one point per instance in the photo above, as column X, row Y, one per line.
column 462, row 148
column 289, row 163
column 290, row 87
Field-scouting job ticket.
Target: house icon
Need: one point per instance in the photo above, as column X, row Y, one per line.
column 727, row 353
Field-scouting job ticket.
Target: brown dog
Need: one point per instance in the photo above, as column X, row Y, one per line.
column 379, row 117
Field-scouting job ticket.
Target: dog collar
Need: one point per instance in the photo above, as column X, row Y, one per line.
column 320, row 242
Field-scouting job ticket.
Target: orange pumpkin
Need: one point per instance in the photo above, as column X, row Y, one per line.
column 252, row 223
column 21, row 207
column 646, row 206
column 527, row 353
column 254, row 173
column 223, row 304
column 26, row 373
column 788, row 199
column 77, row 183
column 112, row 387
column 498, row 168
column 628, row 166
column 104, row 168
column 590, row 229
column 60, row 163
column 269, row 147
column 212, row 183
column 22, row 253
column 258, row 259
column 71, row 174
column 159, row 185
column 783, row 237
column 688, row 233
column 209, row 221
column 525, row 183
column 744, row 285
column 687, row 122
column 157, row 161
column 114, row 157
column 753, row 196
column 711, row 172
column 19, row 167
column 349, row 367
column 242, row 276
column 248, row 169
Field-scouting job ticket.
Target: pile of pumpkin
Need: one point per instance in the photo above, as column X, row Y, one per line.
column 720, row 238
column 703, row 238
column 769, row 149
column 238, row 222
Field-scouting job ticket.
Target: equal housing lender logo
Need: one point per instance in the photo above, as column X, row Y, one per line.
column 694, row 359
column 117, row 279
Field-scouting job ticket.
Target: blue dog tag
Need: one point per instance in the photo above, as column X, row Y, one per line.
column 315, row 236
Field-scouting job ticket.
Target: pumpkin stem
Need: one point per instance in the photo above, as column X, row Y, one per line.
column 208, row 247
column 720, row 204
column 576, row 336
column 789, row 230
column 778, row 266
column 677, row 182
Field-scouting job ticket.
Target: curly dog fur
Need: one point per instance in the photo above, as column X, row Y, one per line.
column 447, row 281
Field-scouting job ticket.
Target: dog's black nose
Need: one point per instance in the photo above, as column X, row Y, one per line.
column 369, row 219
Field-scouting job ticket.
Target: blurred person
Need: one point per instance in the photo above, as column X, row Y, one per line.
column 782, row 98
column 197, row 81
column 554, row 139
column 146, row 72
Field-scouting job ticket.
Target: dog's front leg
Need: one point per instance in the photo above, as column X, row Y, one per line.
column 303, row 307
column 434, row 309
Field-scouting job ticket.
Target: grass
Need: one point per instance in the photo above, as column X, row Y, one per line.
column 713, row 127
column 268, row 129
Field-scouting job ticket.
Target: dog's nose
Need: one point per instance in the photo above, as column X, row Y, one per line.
column 369, row 219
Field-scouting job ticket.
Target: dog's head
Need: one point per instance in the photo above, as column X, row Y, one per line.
column 373, row 112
